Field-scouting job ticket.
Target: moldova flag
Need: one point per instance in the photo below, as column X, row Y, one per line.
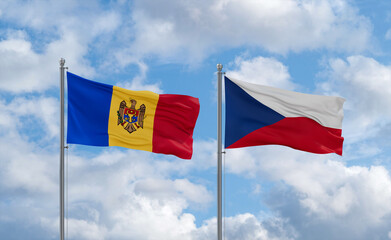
column 106, row 115
column 261, row 115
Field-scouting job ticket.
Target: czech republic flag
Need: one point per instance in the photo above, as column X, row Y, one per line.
column 106, row 115
column 262, row 115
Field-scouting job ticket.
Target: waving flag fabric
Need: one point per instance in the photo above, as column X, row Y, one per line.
column 106, row 115
column 261, row 115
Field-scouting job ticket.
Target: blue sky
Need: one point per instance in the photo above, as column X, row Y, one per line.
column 328, row 47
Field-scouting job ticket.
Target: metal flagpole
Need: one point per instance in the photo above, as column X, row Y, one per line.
column 219, row 152
column 62, row 146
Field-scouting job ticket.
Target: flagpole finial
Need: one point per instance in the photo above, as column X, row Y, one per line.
column 219, row 67
column 62, row 61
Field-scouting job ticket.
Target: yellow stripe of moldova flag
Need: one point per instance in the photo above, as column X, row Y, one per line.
column 137, row 133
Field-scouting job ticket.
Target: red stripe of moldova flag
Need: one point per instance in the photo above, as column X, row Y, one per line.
column 175, row 119
column 106, row 115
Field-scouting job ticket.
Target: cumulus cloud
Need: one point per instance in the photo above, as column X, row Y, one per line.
column 23, row 165
column 319, row 192
column 25, row 70
column 30, row 58
column 33, row 113
column 365, row 83
column 174, row 31
column 196, row 28
column 139, row 81
column 51, row 31
column 166, row 189
column 246, row 226
column 29, row 172
column 261, row 70
column 51, row 17
column 330, row 190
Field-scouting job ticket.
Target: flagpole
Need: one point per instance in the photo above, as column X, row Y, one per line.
column 62, row 146
column 219, row 152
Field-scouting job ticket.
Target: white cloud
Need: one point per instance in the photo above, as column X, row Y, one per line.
column 166, row 189
column 81, row 229
column 194, row 29
column 261, row 70
column 44, row 109
column 175, row 31
column 324, row 192
column 24, row 70
column 327, row 188
column 30, row 60
column 139, row 81
column 140, row 215
column 246, row 226
column 52, row 17
column 240, row 161
column 24, row 164
column 77, row 229
column 331, row 190
column 366, row 84
column 31, row 56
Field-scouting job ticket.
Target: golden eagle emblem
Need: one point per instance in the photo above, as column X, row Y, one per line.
column 130, row 117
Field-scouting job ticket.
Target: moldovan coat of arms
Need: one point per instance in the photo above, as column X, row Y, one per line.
column 130, row 117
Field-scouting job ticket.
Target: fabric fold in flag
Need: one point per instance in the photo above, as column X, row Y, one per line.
column 105, row 115
column 262, row 115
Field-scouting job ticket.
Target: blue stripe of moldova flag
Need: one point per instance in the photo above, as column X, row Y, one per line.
column 86, row 124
